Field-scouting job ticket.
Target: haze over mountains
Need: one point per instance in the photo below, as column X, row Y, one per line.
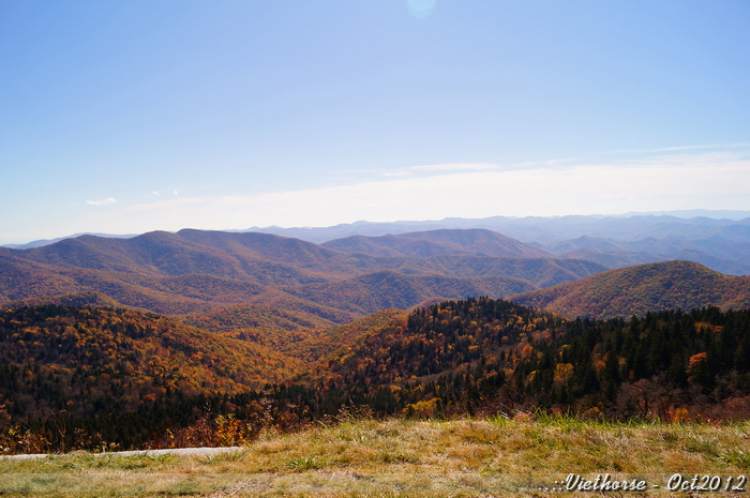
column 472, row 241
column 547, row 230
column 720, row 244
column 719, row 240
column 198, row 271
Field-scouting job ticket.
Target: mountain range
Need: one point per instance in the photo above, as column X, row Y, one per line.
column 680, row 225
column 615, row 242
column 719, row 240
column 199, row 271
column 280, row 330
column 194, row 272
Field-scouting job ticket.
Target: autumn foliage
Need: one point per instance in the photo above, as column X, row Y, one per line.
column 100, row 378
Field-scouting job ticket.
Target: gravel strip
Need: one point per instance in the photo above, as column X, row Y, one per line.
column 173, row 451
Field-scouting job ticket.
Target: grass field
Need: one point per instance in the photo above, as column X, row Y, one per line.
column 393, row 458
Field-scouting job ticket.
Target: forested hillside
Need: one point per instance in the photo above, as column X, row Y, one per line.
column 95, row 361
column 473, row 355
column 134, row 379
column 639, row 289
column 194, row 272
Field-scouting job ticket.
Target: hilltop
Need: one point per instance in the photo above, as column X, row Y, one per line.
column 638, row 289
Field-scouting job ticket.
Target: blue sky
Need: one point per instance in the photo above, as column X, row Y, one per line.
column 125, row 117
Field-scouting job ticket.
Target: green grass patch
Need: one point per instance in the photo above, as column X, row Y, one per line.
column 497, row 456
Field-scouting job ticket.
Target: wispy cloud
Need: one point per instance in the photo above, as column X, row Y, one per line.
column 454, row 167
column 715, row 180
column 680, row 148
column 102, row 202
column 437, row 168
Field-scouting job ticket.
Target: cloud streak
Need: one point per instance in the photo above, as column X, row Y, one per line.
column 102, row 202
column 454, row 167
column 681, row 148
column 670, row 182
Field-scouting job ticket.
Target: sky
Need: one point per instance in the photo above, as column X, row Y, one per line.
column 127, row 117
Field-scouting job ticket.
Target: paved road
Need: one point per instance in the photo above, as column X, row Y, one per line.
column 173, row 451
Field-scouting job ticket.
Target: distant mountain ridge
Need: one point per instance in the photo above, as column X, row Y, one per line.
column 196, row 271
column 717, row 239
column 471, row 242
column 550, row 229
column 541, row 229
column 716, row 252
column 721, row 244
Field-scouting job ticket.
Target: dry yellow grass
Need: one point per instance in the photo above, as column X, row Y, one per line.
column 488, row 457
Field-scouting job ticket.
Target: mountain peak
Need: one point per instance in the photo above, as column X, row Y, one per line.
column 640, row 289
